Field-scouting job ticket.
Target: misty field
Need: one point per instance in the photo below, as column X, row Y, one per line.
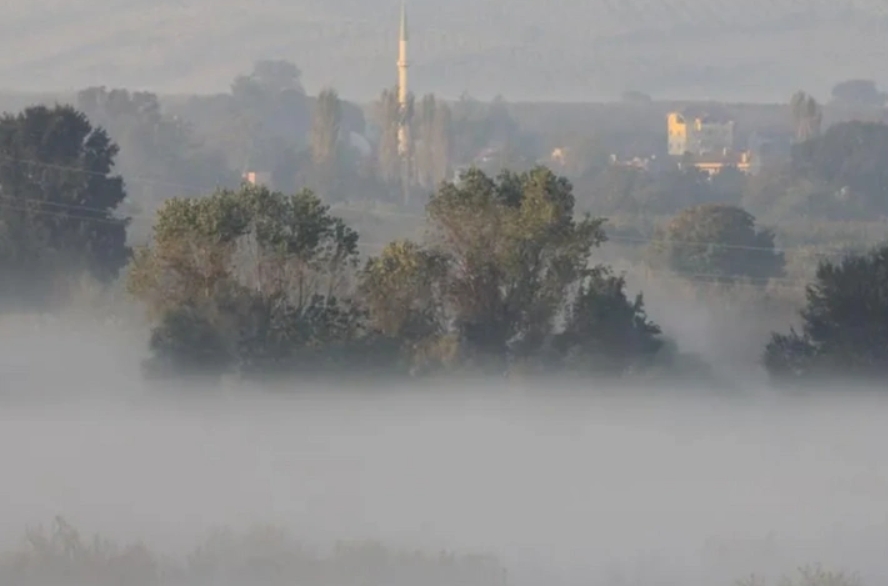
column 653, row 487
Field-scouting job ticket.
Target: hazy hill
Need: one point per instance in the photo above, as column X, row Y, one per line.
column 561, row 49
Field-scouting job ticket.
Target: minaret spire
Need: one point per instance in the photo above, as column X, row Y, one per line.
column 402, row 59
column 404, row 140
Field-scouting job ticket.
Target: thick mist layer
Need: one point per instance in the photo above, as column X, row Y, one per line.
column 580, row 484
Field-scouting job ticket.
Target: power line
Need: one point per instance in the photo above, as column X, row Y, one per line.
column 821, row 251
column 661, row 274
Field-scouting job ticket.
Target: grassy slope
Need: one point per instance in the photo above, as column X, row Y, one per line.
column 572, row 49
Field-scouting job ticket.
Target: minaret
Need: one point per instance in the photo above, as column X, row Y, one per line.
column 404, row 123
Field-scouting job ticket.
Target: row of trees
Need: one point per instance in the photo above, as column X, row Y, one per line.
column 264, row 283
column 260, row 282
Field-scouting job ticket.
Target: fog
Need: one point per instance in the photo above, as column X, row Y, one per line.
column 574, row 50
column 573, row 484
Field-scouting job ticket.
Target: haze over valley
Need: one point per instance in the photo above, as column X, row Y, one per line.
column 568, row 50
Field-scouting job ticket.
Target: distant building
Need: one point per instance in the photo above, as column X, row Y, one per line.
column 698, row 134
column 256, row 178
column 640, row 163
column 713, row 163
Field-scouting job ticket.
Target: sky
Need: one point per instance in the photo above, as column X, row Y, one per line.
column 563, row 50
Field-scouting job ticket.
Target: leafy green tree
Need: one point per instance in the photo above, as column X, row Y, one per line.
column 264, row 270
column 513, row 249
column 719, row 242
column 400, row 289
column 58, row 202
column 402, row 292
column 844, row 325
column 605, row 332
column 506, row 262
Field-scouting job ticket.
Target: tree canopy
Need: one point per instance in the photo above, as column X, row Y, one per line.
column 254, row 281
column 844, row 330
column 719, row 242
column 256, row 272
column 59, row 199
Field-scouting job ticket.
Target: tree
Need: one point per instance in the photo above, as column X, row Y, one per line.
column 400, row 288
column 268, row 104
column 851, row 160
column 402, row 291
column 326, row 124
column 433, row 144
column 513, row 250
column 151, row 139
column 262, row 270
column 605, row 332
column 845, row 325
column 807, row 116
column 859, row 92
column 719, row 242
column 386, row 116
column 506, row 260
column 57, row 216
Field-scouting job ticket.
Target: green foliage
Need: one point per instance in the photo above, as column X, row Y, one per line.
column 605, row 332
column 513, row 249
column 719, row 242
column 506, row 261
column 58, row 202
column 845, row 325
column 253, row 273
column 264, row 284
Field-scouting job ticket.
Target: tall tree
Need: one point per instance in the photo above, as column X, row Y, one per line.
column 807, row 116
column 326, row 121
column 58, row 199
column 441, row 138
column 844, row 331
column 260, row 270
column 514, row 249
column 425, row 120
column 433, row 144
column 386, row 115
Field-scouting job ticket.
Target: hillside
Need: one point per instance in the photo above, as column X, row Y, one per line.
column 564, row 49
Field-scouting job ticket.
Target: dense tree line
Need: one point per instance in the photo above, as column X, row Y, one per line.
column 263, row 282
column 256, row 281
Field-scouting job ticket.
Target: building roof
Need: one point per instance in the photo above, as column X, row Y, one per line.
column 708, row 114
column 722, row 158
